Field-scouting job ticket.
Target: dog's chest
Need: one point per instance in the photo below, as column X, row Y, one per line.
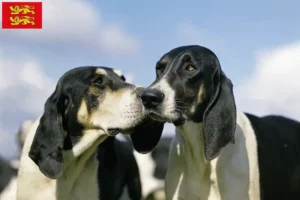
column 215, row 182
column 195, row 186
column 85, row 187
column 192, row 177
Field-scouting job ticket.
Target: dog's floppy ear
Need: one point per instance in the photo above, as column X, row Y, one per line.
column 219, row 120
column 146, row 136
column 47, row 146
column 107, row 153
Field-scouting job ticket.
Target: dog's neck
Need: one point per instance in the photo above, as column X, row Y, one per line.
column 191, row 144
column 86, row 145
column 81, row 167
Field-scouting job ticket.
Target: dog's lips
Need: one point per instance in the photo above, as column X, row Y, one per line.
column 157, row 117
column 113, row 131
column 127, row 130
column 178, row 121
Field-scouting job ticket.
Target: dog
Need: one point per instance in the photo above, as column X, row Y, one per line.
column 9, row 170
column 22, row 133
column 8, row 181
column 219, row 152
column 89, row 104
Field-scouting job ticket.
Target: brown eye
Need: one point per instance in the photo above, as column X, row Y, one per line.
column 190, row 68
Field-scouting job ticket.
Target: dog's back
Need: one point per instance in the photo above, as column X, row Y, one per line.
column 278, row 143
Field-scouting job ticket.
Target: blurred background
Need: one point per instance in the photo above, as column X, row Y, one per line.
column 257, row 43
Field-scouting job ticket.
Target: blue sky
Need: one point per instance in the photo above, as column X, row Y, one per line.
column 132, row 35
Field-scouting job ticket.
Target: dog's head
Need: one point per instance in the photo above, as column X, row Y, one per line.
column 190, row 85
column 89, row 98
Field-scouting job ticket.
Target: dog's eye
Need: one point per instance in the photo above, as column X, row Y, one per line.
column 160, row 67
column 190, row 68
column 98, row 80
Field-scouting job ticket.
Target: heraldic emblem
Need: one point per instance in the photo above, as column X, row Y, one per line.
column 21, row 15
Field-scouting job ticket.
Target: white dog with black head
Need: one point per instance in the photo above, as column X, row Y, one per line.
column 89, row 104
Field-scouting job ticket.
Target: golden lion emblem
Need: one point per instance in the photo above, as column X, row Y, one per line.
column 21, row 20
column 15, row 10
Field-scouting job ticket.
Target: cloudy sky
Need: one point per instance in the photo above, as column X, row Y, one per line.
column 257, row 42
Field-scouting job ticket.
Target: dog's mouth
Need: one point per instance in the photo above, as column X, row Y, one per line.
column 127, row 129
column 116, row 131
column 177, row 118
column 113, row 131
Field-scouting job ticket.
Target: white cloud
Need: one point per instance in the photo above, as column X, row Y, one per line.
column 273, row 87
column 114, row 39
column 23, row 85
column 190, row 34
column 77, row 22
column 24, row 89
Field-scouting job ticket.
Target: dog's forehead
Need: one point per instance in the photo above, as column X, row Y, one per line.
column 193, row 50
column 79, row 73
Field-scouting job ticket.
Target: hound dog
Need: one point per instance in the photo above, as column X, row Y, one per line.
column 9, row 170
column 219, row 153
column 8, row 181
column 89, row 104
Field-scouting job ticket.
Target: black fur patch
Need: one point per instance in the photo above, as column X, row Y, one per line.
column 278, row 148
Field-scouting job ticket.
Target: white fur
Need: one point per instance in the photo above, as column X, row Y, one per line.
column 23, row 131
column 233, row 175
column 101, row 71
column 118, row 72
column 79, row 179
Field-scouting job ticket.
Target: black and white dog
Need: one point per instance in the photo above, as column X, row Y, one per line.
column 220, row 153
column 59, row 157
column 9, row 169
column 8, row 181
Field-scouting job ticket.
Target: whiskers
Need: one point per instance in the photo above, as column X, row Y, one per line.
column 180, row 102
column 180, row 105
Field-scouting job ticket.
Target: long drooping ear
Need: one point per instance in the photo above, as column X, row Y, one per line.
column 146, row 136
column 219, row 120
column 46, row 148
column 107, row 153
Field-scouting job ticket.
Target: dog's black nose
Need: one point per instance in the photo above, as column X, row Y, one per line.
column 152, row 98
